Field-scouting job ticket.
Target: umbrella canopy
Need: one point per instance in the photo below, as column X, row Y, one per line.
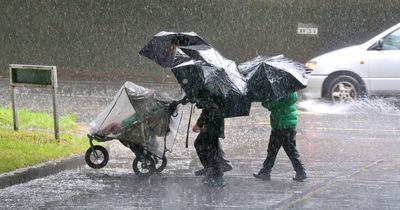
column 162, row 48
column 218, row 70
column 209, row 86
column 209, row 79
column 271, row 78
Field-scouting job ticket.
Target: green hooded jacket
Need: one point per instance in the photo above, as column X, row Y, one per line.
column 283, row 111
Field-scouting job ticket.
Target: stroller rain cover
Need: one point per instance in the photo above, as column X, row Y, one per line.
column 138, row 115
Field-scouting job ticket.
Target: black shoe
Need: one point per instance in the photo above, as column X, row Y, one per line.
column 200, row 172
column 224, row 168
column 263, row 174
column 300, row 177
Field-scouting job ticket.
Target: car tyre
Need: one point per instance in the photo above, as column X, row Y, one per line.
column 343, row 89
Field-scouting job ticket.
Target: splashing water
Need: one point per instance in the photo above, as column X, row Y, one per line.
column 379, row 106
column 370, row 106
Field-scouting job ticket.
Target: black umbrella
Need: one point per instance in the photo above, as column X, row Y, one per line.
column 271, row 78
column 210, row 86
column 162, row 48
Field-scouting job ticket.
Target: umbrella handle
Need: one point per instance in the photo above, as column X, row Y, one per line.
column 187, row 131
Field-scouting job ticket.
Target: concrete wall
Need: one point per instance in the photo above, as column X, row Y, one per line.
column 100, row 39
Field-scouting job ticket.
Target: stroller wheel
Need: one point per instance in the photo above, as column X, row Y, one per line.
column 144, row 167
column 160, row 164
column 96, row 158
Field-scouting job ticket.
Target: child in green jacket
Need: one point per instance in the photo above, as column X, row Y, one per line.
column 283, row 119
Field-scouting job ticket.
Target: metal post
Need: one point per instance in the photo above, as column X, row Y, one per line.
column 56, row 127
column 15, row 113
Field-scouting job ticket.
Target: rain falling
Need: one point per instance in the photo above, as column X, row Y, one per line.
column 349, row 150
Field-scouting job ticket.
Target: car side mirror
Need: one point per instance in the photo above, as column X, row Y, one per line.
column 377, row 45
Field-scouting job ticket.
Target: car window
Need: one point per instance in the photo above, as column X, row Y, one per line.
column 392, row 41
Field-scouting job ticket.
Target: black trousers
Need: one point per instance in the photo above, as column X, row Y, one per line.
column 208, row 150
column 285, row 138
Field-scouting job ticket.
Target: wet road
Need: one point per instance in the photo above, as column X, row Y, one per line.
column 85, row 98
column 351, row 153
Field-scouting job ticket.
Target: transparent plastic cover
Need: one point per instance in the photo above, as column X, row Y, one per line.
column 138, row 115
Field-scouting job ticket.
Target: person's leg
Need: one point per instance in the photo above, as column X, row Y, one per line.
column 207, row 148
column 289, row 145
column 224, row 163
column 199, row 145
column 274, row 145
column 213, row 170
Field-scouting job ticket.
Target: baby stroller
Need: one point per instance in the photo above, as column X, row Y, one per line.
column 141, row 120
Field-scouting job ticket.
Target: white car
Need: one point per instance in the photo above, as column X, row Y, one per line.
column 372, row 68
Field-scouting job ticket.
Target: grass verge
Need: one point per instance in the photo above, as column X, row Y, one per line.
column 34, row 142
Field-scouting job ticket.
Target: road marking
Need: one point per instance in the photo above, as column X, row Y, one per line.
column 357, row 129
column 315, row 128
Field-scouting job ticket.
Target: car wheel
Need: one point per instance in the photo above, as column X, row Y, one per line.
column 343, row 89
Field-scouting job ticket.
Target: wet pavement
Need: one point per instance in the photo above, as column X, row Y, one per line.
column 85, row 98
column 351, row 154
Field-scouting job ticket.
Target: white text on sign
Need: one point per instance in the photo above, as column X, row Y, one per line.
column 308, row 31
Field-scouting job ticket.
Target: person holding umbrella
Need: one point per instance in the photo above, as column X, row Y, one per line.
column 210, row 81
column 210, row 127
column 283, row 119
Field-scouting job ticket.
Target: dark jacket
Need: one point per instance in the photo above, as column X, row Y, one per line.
column 211, row 121
column 283, row 112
